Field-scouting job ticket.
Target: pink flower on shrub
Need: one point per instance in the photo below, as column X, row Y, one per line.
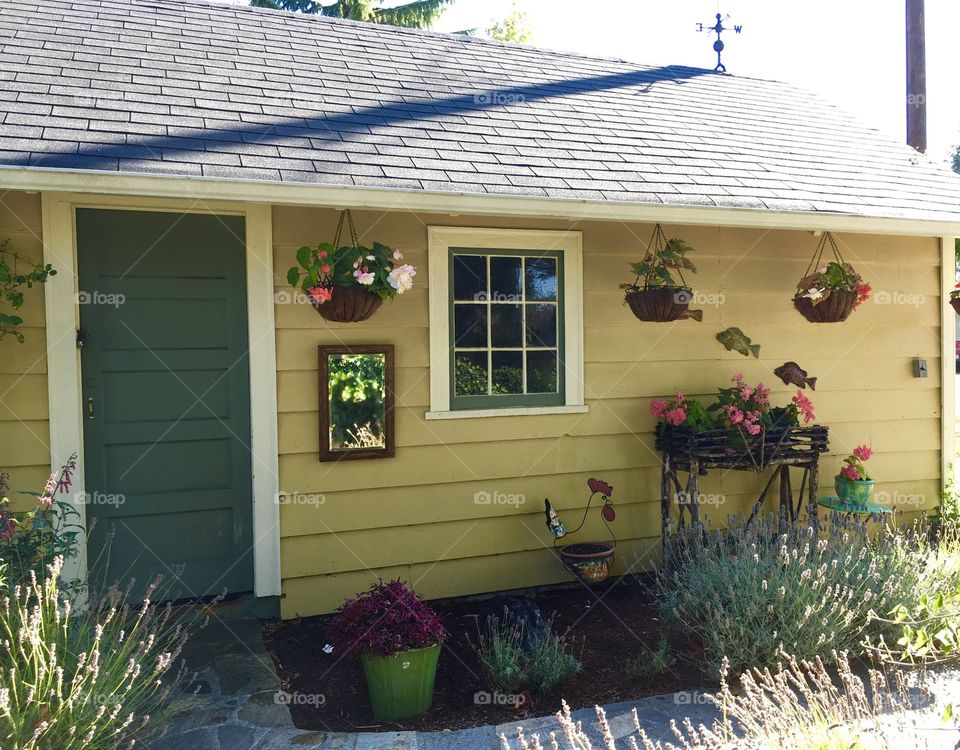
column 363, row 277
column 679, row 397
column 862, row 452
column 325, row 268
column 761, row 394
column 676, row 416
column 804, row 406
column 753, row 429
column 322, row 254
column 850, row 472
column 734, row 415
column 658, row 408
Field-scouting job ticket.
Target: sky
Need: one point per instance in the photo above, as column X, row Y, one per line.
column 851, row 51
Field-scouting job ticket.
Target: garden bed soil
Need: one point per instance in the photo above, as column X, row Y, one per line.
column 608, row 627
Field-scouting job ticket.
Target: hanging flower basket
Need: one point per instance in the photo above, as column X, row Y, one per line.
column 835, row 309
column 348, row 284
column 955, row 299
column 346, row 304
column 828, row 293
column 662, row 304
column 654, row 295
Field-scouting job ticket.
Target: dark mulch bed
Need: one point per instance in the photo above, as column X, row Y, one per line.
column 606, row 634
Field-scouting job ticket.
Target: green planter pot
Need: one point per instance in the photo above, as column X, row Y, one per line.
column 401, row 685
column 853, row 492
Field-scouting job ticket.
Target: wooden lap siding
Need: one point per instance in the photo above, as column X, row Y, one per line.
column 24, row 427
column 414, row 516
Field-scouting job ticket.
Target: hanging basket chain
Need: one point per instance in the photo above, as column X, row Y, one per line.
column 818, row 254
column 345, row 214
column 658, row 242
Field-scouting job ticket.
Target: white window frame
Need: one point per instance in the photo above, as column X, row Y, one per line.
column 439, row 242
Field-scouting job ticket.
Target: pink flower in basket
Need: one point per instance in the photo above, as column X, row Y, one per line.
column 320, row 294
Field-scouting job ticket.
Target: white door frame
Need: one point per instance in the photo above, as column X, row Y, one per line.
column 63, row 359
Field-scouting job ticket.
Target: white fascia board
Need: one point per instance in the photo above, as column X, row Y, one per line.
column 383, row 199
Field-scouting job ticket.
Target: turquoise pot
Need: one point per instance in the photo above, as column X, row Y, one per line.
column 853, row 492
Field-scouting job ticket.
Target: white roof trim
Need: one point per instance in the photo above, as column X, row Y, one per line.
column 386, row 199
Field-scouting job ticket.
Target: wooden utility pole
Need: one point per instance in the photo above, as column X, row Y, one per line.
column 916, row 77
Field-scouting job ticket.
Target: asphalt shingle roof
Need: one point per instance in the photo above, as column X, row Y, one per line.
column 226, row 91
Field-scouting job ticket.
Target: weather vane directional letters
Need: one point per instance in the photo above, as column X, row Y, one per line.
column 718, row 29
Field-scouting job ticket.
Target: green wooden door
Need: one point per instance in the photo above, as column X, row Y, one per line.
column 166, row 399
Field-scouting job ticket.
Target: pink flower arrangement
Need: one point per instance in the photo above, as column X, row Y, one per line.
column 673, row 412
column 853, row 465
column 742, row 407
column 378, row 270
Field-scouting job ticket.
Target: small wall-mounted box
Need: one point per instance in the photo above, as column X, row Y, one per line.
column 919, row 368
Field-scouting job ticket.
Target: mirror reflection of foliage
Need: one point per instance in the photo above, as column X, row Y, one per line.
column 357, row 386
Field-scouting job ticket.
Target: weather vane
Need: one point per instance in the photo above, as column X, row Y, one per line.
column 718, row 29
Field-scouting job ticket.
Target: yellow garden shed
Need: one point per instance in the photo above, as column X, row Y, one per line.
column 170, row 158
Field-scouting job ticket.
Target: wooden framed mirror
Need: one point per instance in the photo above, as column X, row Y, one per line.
column 356, row 402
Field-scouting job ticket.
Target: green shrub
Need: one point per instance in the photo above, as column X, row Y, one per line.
column 751, row 592
column 653, row 663
column 89, row 680
column 514, row 663
column 930, row 623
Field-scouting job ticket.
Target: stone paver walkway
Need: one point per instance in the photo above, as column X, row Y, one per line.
column 236, row 707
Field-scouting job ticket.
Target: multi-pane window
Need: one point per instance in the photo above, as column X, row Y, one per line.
column 506, row 328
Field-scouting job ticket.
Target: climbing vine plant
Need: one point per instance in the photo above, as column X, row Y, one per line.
column 16, row 275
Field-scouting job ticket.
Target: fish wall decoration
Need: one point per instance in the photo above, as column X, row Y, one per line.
column 793, row 374
column 736, row 340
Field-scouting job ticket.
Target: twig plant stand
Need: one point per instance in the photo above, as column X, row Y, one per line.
column 695, row 453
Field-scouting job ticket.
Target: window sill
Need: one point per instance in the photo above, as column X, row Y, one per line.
column 517, row 411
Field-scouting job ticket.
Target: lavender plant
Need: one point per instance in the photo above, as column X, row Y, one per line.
column 804, row 706
column 514, row 662
column 95, row 680
column 752, row 593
